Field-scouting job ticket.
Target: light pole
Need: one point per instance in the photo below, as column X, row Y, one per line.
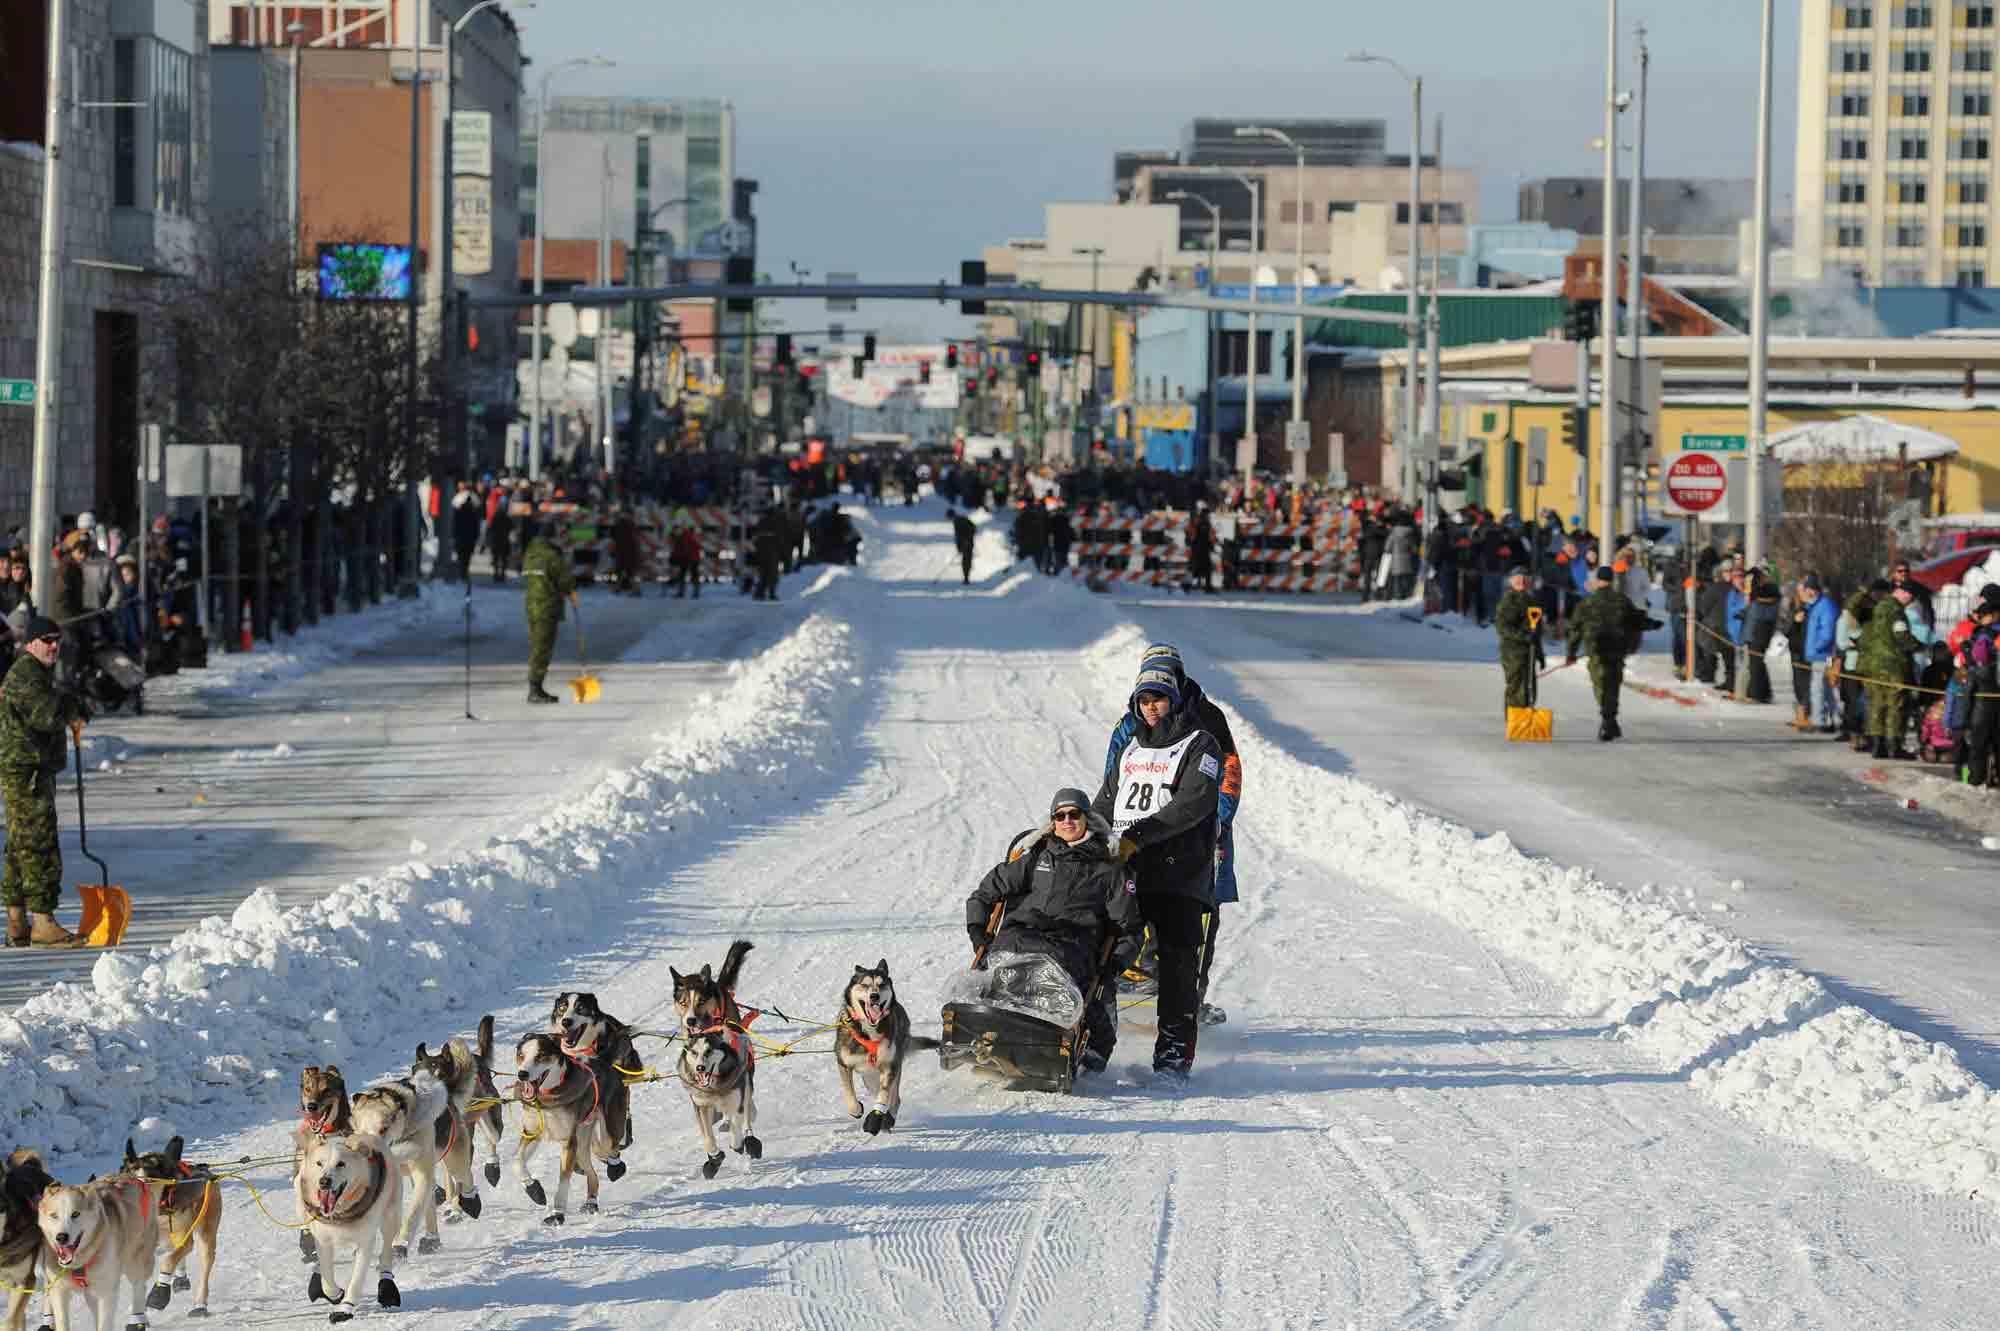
column 449, row 340
column 1416, row 83
column 541, row 216
column 1214, row 244
column 1298, row 264
column 1607, row 392
column 1096, row 252
column 1256, row 188
column 1634, row 292
column 1760, row 304
column 638, row 263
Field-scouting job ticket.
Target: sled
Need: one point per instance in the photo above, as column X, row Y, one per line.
column 586, row 686
column 998, row 1034
column 107, row 908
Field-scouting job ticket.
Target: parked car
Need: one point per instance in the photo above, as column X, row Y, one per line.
column 1948, row 570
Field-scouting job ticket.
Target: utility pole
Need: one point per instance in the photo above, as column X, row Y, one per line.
column 414, row 523
column 48, row 326
column 1607, row 481
column 1433, row 369
column 1635, row 306
column 1760, row 304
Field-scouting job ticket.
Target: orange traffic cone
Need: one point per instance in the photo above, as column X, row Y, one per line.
column 243, row 629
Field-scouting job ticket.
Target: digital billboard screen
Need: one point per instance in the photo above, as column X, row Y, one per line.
column 364, row 270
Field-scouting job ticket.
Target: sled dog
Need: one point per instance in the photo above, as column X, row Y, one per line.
column 589, row 1031
column 421, row 1129
column 323, row 1113
column 350, row 1191
column 719, row 1068
column 578, row 1105
column 98, row 1236
column 705, row 998
column 467, row 1073
column 187, row 1206
column 21, row 1238
column 873, row 1038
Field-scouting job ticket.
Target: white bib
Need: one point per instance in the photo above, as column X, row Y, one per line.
column 1146, row 780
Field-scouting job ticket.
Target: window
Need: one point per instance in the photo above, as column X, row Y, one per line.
column 1971, row 189
column 1911, row 16
column 1912, row 189
column 1857, row 16
column 1975, row 102
column 1338, row 206
column 1849, row 147
column 1916, row 60
column 1975, row 16
column 1903, row 275
column 1971, row 235
column 1972, row 59
column 1853, row 60
column 1907, row 236
column 1454, row 213
column 1971, row 148
column 1847, row 190
column 152, row 159
column 1913, row 147
column 1847, row 236
column 1848, row 104
column 1971, row 277
column 1913, row 104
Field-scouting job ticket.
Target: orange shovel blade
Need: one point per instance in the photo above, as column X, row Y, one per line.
column 107, row 912
column 585, row 688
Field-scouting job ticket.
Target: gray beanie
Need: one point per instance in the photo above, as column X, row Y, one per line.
column 1069, row 797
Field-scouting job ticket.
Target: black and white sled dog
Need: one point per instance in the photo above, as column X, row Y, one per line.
column 706, row 999
column 21, row 1236
column 187, row 1208
column 421, row 1129
column 589, row 1032
column 873, row 1038
column 719, row 1069
column 467, row 1073
column 581, row 1105
column 98, row 1237
column 350, row 1192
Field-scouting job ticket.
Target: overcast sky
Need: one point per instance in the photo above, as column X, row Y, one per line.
column 898, row 143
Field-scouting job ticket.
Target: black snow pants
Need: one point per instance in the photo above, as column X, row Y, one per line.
column 1178, row 925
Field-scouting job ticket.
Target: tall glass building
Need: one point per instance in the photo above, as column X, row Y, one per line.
column 669, row 164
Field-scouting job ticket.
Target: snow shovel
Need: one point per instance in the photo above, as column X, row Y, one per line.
column 1531, row 724
column 585, row 687
column 107, row 909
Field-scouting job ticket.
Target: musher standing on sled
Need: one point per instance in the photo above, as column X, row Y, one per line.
column 1062, row 892
column 1208, row 717
column 1160, row 799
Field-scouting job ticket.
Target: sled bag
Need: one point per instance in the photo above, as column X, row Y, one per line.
column 1531, row 724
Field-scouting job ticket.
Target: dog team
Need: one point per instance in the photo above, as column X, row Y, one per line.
column 368, row 1167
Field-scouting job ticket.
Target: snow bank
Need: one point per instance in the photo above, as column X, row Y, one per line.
column 234, row 1007
column 1761, row 1039
column 333, row 639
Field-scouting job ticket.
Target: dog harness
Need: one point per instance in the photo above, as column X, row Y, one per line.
column 874, row 1046
column 80, row 1277
column 738, row 1045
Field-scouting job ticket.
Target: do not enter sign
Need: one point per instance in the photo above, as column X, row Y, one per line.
column 1696, row 482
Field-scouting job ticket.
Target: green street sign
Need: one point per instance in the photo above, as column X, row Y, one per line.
column 1714, row 443
column 17, row 392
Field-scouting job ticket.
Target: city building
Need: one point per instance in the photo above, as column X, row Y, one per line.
column 1692, row 224
column 134, row 210
column 1895, row 142
column 351, row 60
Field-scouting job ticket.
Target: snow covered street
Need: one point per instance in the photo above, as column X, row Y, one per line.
column 1459, row 1087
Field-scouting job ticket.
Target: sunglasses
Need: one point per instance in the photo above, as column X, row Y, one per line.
column 53, row 639
column 1067, row 816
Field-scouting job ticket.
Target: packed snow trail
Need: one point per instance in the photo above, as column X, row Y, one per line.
column 1399, row 1126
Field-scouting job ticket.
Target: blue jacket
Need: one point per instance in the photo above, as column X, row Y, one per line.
column 1580, row 573
column 1738, row 604
column 1822, row 620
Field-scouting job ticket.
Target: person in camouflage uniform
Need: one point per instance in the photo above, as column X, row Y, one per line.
column 1607, row 623
column 1886, row 647
column 33, row 716
column 550, row 580
column 1519, row 622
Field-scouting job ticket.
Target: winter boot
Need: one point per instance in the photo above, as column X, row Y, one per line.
column 538, row 694
column 1801, row 722
column 1606, row 732
column 47, row 933
column 1881, row 747
column 17, row 927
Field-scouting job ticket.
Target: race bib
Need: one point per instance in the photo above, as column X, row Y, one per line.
column 1146, row 781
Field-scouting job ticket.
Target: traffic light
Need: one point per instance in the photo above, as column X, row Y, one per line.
column 951, row 355
column 993, row 374
column 868, row 347
column 1034, row 362
column 859, row 368
column 1576, row 428
column 972, row 273
column 1580, row 321
column 783, row 355
column 740, row 272
column 923, row 372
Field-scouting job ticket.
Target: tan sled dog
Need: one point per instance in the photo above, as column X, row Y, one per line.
column 579, row 1106
column 350, row 1191
column 188, row 1204
column 415, row 1117
column 99, row 1236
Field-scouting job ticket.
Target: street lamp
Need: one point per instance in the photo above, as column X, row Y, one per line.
column 1214, row 243
column 1416, row 83
column 541, row 215
column 1095, row 252
column 1256, row 188
column 1298, row 263
column 447, row 211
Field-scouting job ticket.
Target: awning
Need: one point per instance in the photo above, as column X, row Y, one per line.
column 1860, row 439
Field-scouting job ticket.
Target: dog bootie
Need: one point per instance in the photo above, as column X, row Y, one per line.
column 316, row 1291
column 614, row 1169
column 535, row 1193
column 753, row 1148
column 401, row 1252
column 471, row 1205
column 589, row 1208
column 711, row 1165
column 428, row 1244
column 437, row 1195
column 553, row 1218
column 181, row 1283
column 879, row 1120
column 492, row 1173
column 159, row 1296
column 386, row 1292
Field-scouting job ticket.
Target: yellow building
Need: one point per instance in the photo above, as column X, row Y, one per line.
column 1497, row 395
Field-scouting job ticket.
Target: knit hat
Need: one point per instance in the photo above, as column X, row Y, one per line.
column 1810, row 582
column 1989, row 595
column 1155, row 678
column 1165, row 655
column 41, row 626
column 1518, row 571
column 1069, row 797
column 1604, row 573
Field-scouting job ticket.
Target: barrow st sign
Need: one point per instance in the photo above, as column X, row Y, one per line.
column 17, row 392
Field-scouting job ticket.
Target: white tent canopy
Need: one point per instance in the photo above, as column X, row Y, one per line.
column 1860, row 439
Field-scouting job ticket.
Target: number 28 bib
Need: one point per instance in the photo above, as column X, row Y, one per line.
column 1146, row 780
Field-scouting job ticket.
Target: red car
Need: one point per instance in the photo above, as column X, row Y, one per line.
column 1949, row 570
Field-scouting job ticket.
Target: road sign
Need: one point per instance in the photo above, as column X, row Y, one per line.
column 1298, row 436
column 187, row 463
column 1714, row 443
column 17, row 392
column 1696, row 482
